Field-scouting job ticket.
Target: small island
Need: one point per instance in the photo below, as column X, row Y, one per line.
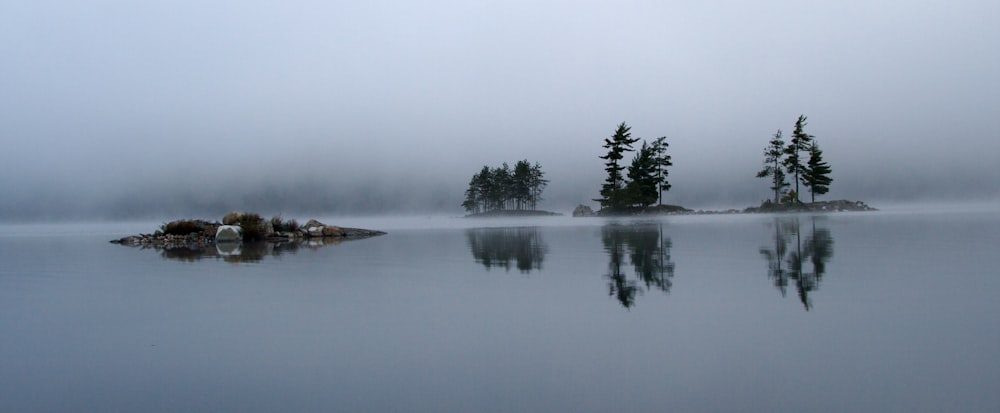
column 194, row 236
column 634, row 189
column 505, row 192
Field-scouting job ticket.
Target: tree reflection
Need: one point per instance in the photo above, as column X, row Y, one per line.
column 499, row 247
column 786, row 263
column 649, row 254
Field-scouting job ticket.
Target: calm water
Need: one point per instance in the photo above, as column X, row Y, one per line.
column 887, row 311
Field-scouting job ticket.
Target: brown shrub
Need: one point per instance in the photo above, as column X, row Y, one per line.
column 254, row 227
column 182, row 227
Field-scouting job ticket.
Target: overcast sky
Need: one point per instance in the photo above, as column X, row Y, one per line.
column 168, row 105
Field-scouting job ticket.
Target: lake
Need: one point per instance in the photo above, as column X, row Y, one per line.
column 883, row 311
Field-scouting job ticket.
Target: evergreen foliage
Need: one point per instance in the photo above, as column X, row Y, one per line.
column 800, row 142
column 662, row 161
column 781, row 160
column 773, row 154
column 642, row 186
column 817, row 173
column 646, row 178
column 502, row 188
column 612, row 192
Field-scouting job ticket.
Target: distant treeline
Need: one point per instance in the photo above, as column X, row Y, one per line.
column 503, row 188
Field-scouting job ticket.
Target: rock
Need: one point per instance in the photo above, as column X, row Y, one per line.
column 583, row 211
column 232, row 218
column 229, row 233
column 332, row 231
column 359, row 233
column 313, row 229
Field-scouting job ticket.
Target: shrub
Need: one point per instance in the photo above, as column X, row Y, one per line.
column 284, row 226
column 182, row 227
column 254, row 227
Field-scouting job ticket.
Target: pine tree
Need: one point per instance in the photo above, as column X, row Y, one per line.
column 772, row 165
column 642, row 187
column 521, row 190
column 817, row 174
column 617, row 145
column 793, row 161
column 471, row 202
column 537, row 183
column 662, row 161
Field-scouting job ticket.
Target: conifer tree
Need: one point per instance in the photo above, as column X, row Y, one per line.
column 642, row 187
column 536, row 184
column 817, row 173
column 612, row 190
column 662, row 161
column 522, row 184
column 772, row 165
column 799, row 143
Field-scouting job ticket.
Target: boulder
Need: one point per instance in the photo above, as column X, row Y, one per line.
column 313, row 229
column 332, row 231
column 316, row 231
column 229, row 233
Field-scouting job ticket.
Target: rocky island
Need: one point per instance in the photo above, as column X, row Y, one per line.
column 764, row 208
column 842, row 205
column 186, row 238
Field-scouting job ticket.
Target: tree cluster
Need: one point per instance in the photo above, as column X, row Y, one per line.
column 782, row 161
column 503, row 188
column 646, row 176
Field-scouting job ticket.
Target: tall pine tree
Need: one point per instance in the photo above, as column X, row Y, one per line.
column 612, row 191
column 800, row 143
column 817, row 173
column 773, row 154
column 662, row 161
column 537, row 183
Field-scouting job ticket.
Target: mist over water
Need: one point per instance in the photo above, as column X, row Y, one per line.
column 123, row 110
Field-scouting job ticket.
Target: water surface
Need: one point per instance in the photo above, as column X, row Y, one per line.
column 887, row 311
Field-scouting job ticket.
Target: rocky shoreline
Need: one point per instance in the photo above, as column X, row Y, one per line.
column 237, row 228
column 767, row 207
column 842, row 205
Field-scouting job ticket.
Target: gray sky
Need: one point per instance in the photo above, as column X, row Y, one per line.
column 168, row 106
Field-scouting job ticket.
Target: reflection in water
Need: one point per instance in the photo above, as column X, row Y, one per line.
column 237, row 252
column 497, row 247
column 786, row 263
column 649, row 253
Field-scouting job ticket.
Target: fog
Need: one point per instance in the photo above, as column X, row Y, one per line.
column 119, row 109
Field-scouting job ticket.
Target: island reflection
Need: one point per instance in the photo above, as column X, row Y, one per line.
column 499, row 247
column 648, row 252
column 243, row 252
column 788, row 257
